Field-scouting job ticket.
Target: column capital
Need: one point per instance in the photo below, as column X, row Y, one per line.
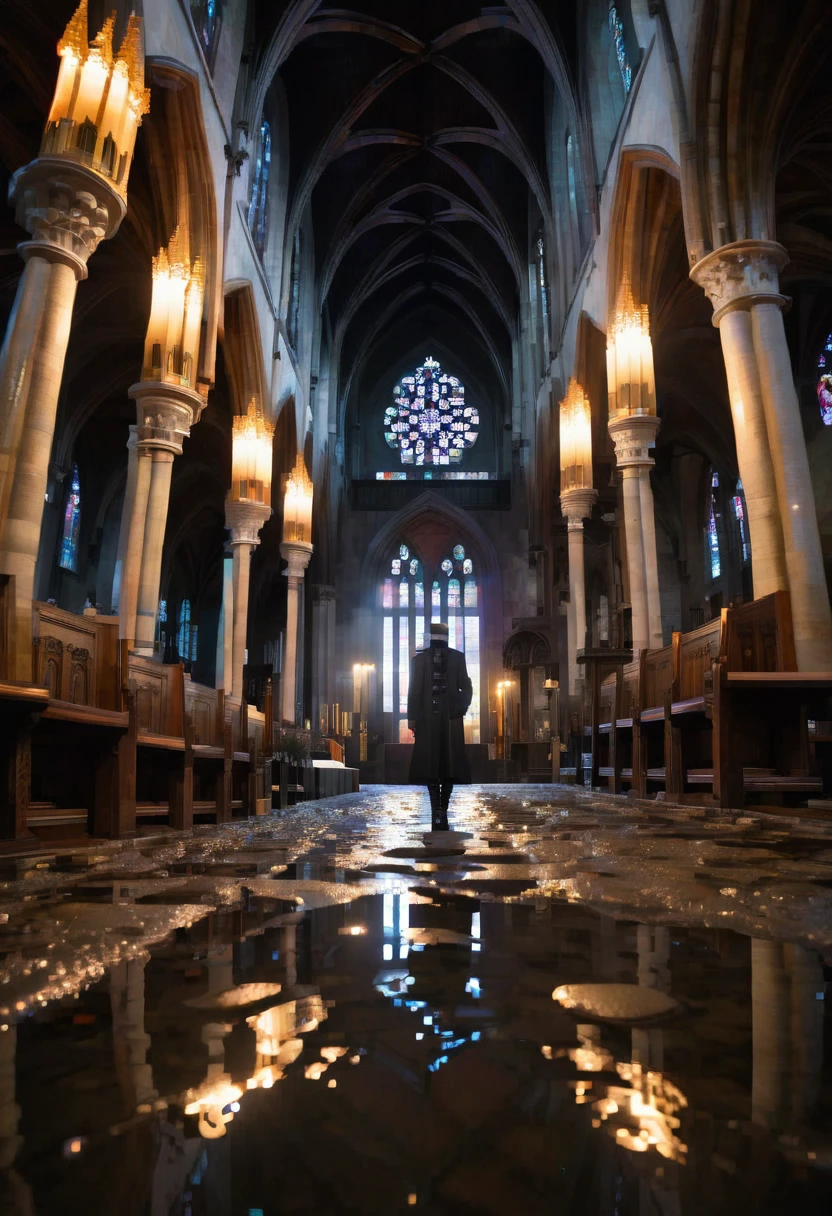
column 67, row 208
column 577, row 503
column 741, row 274
column 244, row 520
column 165, row 414
column 297, row 555
column 633, row 436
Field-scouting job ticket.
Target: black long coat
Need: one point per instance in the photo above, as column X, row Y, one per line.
column 439, row 750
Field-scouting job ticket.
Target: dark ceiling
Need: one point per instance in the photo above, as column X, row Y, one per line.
column 417, row 143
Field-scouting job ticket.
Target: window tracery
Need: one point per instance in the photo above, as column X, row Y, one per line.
column 430, row 422
column 72, row 525
column 454, row 600
column 186, row 634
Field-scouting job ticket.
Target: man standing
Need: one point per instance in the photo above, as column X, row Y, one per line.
column 439, row 696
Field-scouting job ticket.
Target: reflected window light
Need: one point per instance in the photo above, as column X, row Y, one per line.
column 387, row 912
column 475, row 1036
column 476, row 947
column 387, row 953
column 420, row 1034
column 475, row 924
column 403, row 951
column 428, row 1019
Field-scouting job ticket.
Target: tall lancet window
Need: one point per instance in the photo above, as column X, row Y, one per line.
column 258, row 209
column 714, row 563
column 186, row 634
column 72, row 524
column 207, row 19
column 825, row 382
column 620, row 46
column 403, row 633
column 742, row 525
column 455, row 599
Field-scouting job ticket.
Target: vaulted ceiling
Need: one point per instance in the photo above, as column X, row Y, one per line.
column 417, row 145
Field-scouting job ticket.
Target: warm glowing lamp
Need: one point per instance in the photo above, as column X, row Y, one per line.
column 251, row 459
column 575, row 439
column 99, row 98
column 171, row 352
column 630, row 377
column 297, row 505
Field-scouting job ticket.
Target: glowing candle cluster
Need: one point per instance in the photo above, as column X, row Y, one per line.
column 630, row 377
column 251, row 459
column 99, row 98
column 297, row 505
column 171, row 352
column 575, row 439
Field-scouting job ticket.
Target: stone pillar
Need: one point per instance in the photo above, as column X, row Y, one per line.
column 244, row 519
column 576, row 505
column 742, row 281
column 633, row 436
column 166, row 413
column 770, row 1027
column 127, row 997
column 68, row 209
column 296, row 554
column 323, row 654
column 126, row 514
column 225, row 633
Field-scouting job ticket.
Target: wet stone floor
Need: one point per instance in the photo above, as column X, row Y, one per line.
column 574, row 1006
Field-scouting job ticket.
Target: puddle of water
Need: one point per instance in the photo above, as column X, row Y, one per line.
column 414, row 1058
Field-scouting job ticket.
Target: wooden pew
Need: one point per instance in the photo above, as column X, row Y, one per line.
column 691, row 741
column 164, row 747
column 658, row 681
column 80, row 746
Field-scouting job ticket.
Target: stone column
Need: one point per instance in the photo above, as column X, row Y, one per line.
column 296, row 554
column 126, row 514
column 576, row 505
column 323, row 655
column 770, row 1029
column 244, row 519
column 166, row 413
column 68, row 210
column 633, row 436
column 225, row 634
column 742, row 281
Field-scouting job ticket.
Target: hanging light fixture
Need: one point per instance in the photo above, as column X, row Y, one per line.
column 630, row 377
column 575, row 439
column 99, row 98
column 175, row 325
column 297, row 505
column 251, row 458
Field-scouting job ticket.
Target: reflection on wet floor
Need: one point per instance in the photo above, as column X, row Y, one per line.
column 576, row 1010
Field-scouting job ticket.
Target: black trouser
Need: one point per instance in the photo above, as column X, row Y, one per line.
column 440, row 797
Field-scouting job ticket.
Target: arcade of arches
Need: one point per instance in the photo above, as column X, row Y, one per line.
column 324, row 324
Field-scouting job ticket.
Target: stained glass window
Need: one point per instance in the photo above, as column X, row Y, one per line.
column 207, row 18
column 739, row 512
column 72, row 524
column 454, row 599
column 186, row 634
column 456, row 602
column 713, row 534
column 825, row 382
column 542, row 279
column 403, row 633
column 619, row 42
column 429, row 422
column 258, row 211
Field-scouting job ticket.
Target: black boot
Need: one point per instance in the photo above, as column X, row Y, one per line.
column 445, row 791
column 434, row 793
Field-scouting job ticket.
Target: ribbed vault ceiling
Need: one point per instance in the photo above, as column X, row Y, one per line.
column 418, row 147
